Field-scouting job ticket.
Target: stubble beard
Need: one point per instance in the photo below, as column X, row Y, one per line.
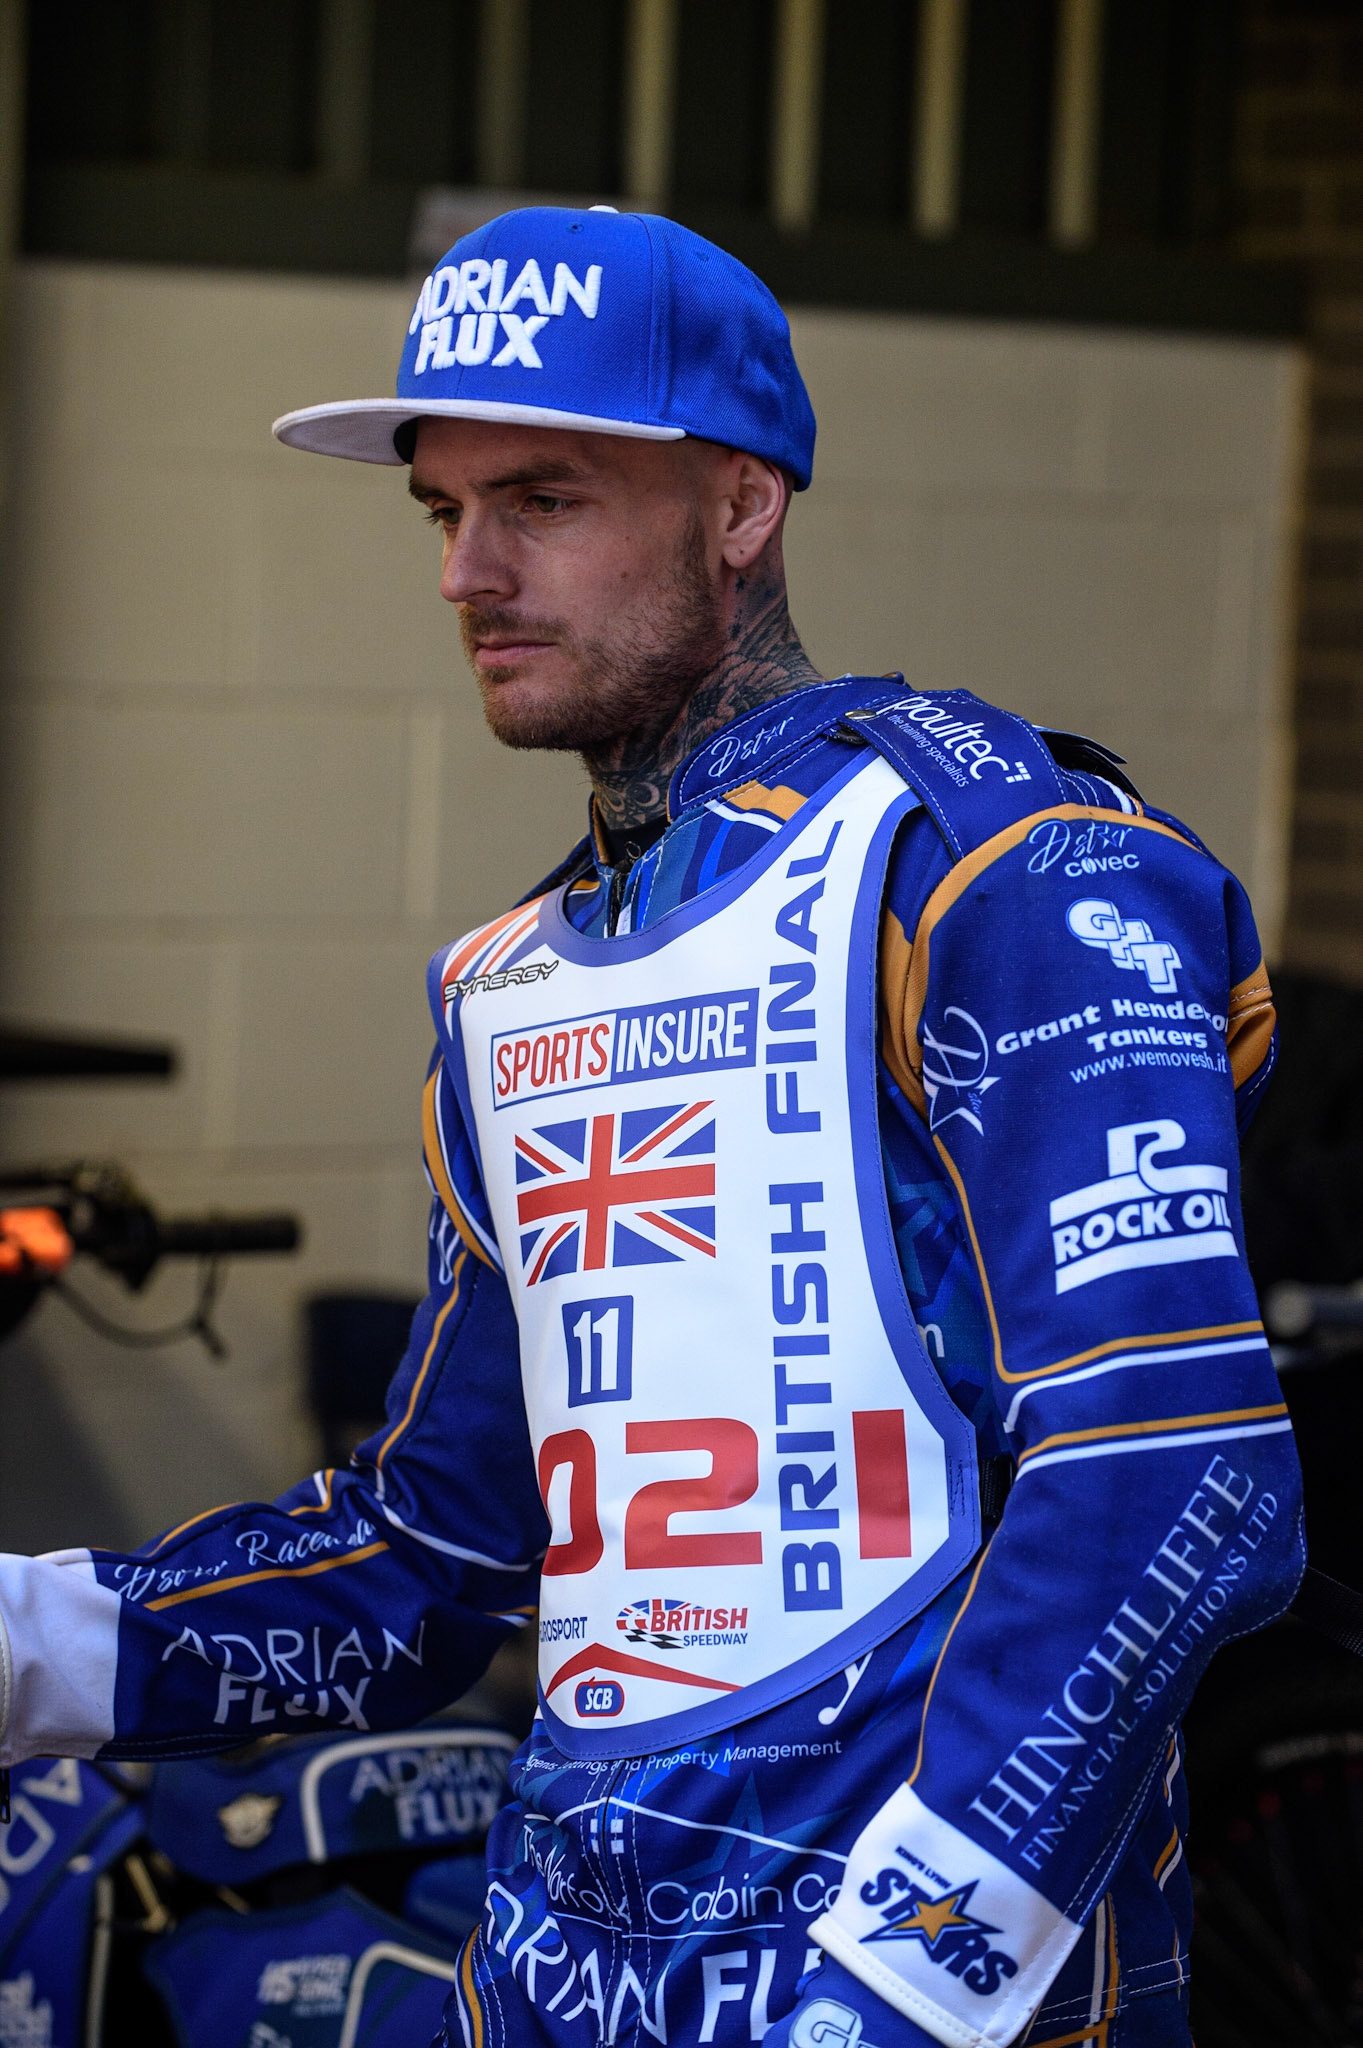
column 624, row 692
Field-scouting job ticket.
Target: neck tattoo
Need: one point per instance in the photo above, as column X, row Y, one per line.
column 762, row 660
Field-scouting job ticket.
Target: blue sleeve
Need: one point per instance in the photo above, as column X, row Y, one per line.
column 361, row 1599
column 1077, row 1041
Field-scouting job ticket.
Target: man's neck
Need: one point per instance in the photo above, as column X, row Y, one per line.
column 762, row 660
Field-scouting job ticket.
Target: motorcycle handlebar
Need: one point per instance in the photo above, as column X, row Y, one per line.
column 227, row 1237
column 1292, row 1309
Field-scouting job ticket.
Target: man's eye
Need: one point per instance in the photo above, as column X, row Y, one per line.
column 545, row 501
column 441, row 515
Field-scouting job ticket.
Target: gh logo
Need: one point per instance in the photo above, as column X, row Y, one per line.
column 1128, row 941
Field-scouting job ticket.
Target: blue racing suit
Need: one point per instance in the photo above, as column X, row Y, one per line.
column 1072, row 1013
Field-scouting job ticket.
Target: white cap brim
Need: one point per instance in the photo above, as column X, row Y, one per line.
column 362, row 429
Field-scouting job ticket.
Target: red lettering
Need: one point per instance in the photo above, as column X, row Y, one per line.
column 579, row 1034
column 558, row 1057
column 504, row 1069
column 521, row 1062
column 539, row 1062
column 732, row 1479
column 882, row 1460
column 600, row 1059
column 574, row 1448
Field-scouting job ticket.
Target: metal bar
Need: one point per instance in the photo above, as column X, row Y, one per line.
column 503, row 39
column 795, row 115
column 650, row 93
column 1074, row 136
column 937, row 124
column 344, row 106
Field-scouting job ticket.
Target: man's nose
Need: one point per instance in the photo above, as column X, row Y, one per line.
column 477, row 564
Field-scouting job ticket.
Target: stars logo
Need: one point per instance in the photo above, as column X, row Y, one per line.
column 927, row 1920
column 947, row 1930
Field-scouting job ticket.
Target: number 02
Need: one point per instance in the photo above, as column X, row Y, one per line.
column 649, row 1543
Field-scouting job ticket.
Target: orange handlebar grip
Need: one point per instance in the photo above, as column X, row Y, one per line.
column 33, row 1240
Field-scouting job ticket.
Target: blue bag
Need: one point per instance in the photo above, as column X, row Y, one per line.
column 334, row 1973
column 59, row 1809
column 448, row 1897
column 228, row 1820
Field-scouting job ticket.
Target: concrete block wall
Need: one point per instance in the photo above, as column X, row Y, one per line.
column 246, row 787
column 1300, row 172
column 1091, row 528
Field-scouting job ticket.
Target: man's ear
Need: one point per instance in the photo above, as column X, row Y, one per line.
column 753, row 506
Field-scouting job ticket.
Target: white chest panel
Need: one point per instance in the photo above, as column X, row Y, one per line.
column 751, row 1470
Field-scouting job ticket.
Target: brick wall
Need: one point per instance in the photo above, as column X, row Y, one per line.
column 1300, row 176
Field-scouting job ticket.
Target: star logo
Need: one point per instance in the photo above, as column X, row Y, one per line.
column 955, row 1069
column 927, row 1919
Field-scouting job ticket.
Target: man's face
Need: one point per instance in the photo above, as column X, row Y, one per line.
column 586, row 577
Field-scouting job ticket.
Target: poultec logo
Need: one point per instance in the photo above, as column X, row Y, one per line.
column 960, row 740
column 477, row 295
column 1143, row 1214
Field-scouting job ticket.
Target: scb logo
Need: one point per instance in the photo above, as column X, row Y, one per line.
column 599, row 1699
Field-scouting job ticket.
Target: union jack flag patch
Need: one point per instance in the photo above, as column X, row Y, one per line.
column 632, row 1188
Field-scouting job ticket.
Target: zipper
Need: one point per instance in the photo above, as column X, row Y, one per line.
column 607, row 1840
column 615, row 901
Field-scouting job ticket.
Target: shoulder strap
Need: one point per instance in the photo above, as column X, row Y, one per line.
column 761, row 741
column 976, row 768
column 1083, row 756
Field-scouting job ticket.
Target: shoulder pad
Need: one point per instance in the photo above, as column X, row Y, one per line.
column 976, row 768
column 1088, row 757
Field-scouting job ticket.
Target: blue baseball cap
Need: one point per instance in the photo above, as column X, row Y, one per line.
column 612, row 323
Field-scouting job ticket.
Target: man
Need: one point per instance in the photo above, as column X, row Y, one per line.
column 848, row 1125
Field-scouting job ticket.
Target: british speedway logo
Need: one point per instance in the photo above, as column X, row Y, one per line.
column 1143, row 1214
column 478, row 296
column 633, row 1188
column 662, row 1624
